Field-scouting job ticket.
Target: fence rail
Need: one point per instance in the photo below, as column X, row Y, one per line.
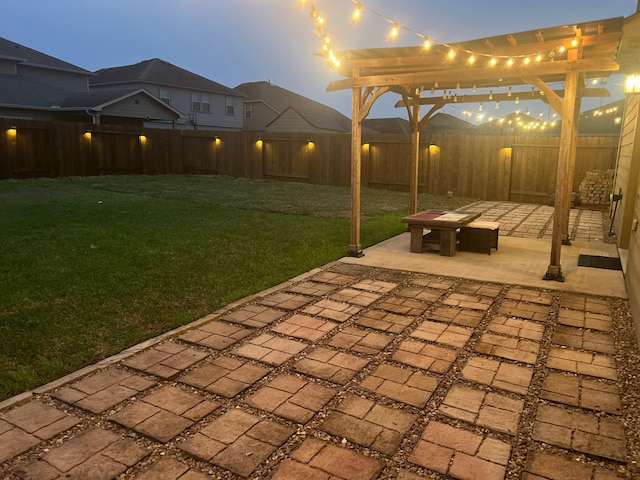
column 492, row 167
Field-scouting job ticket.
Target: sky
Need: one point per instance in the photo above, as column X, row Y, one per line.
column 237, row 41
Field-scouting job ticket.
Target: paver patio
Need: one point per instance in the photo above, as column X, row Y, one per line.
column 351, row 373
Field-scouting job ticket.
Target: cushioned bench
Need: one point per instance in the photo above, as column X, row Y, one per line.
column 479, row 236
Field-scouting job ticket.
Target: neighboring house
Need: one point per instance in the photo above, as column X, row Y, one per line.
column 442, row 123
column 397, row 125
column 519, row 123
column 203, row 103
column 268, row 107
column 446, row 124
column 602, row 121
column 36, row 86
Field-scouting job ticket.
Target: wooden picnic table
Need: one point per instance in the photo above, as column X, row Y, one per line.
column 444, row 222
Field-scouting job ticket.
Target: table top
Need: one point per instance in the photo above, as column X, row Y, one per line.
column 441, row 218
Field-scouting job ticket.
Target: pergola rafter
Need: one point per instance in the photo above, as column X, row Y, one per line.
column 570, row 54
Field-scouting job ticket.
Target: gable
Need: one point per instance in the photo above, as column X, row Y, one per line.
column 140, row 106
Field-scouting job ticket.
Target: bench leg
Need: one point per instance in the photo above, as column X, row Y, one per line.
column 448, row 242
column 416, row 239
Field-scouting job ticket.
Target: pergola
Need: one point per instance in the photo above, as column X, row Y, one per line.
column 504, row 65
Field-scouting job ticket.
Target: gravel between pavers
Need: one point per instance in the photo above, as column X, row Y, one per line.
column 397, row 464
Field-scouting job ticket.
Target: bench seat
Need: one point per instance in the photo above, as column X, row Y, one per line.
column 479, row 236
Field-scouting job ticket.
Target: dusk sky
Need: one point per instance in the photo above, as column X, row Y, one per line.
column 237, row 41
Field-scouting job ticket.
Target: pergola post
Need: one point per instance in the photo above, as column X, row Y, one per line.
column 355, row 247
column 568, row 135
column 566, row 235
column 415, row 158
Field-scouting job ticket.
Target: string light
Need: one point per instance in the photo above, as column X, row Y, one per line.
column 357, row 12
column 427, row 43
column 393, row 33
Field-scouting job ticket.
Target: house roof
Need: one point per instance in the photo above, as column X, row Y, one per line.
column 28, row 56
column 280, row 99
column 159, row 72
column 603, row 120
column 20, row 91
column 443, row 121
column 25, row 92
column 394, row 125
column 99, row 100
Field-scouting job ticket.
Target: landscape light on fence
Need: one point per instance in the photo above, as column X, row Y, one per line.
column 143, row 139
column 217, row 140
column 259, row 143
column 87, row 135
column 632, row 84
column 12, row 131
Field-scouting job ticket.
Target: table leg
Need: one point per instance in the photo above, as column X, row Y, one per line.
column 416, row 239
column 448, row 242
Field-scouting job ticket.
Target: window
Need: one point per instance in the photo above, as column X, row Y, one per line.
column 195, row 102
column 248, row 110
column 229, row 106
column 165, row 95
column 200, row 102
column 206, row 104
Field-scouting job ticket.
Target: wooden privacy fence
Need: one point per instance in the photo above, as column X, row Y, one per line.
column 519, row 168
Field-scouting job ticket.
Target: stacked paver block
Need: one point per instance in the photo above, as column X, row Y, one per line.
column 596, row 186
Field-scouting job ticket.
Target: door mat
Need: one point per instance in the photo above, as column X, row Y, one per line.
column 597, row 261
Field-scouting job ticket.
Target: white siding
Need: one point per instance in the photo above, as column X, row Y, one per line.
column 215, row 119
column 138, row 106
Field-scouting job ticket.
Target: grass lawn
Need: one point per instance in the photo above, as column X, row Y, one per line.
column 91, row 266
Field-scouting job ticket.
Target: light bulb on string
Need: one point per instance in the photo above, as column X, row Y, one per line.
column 527, row 60
column 480, row 107
column 510, row 62
column 426, row 44
column 509, row 92
column 493, row 61
column 517, row 100
column 497, row 105
column 357, row 12
column 393, row 33
column 472, row 59
column 451, row 54
column 490, row 95
column 538, row 58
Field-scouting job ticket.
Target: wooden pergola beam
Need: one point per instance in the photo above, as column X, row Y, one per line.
column 477, row 74
column 506, row 97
